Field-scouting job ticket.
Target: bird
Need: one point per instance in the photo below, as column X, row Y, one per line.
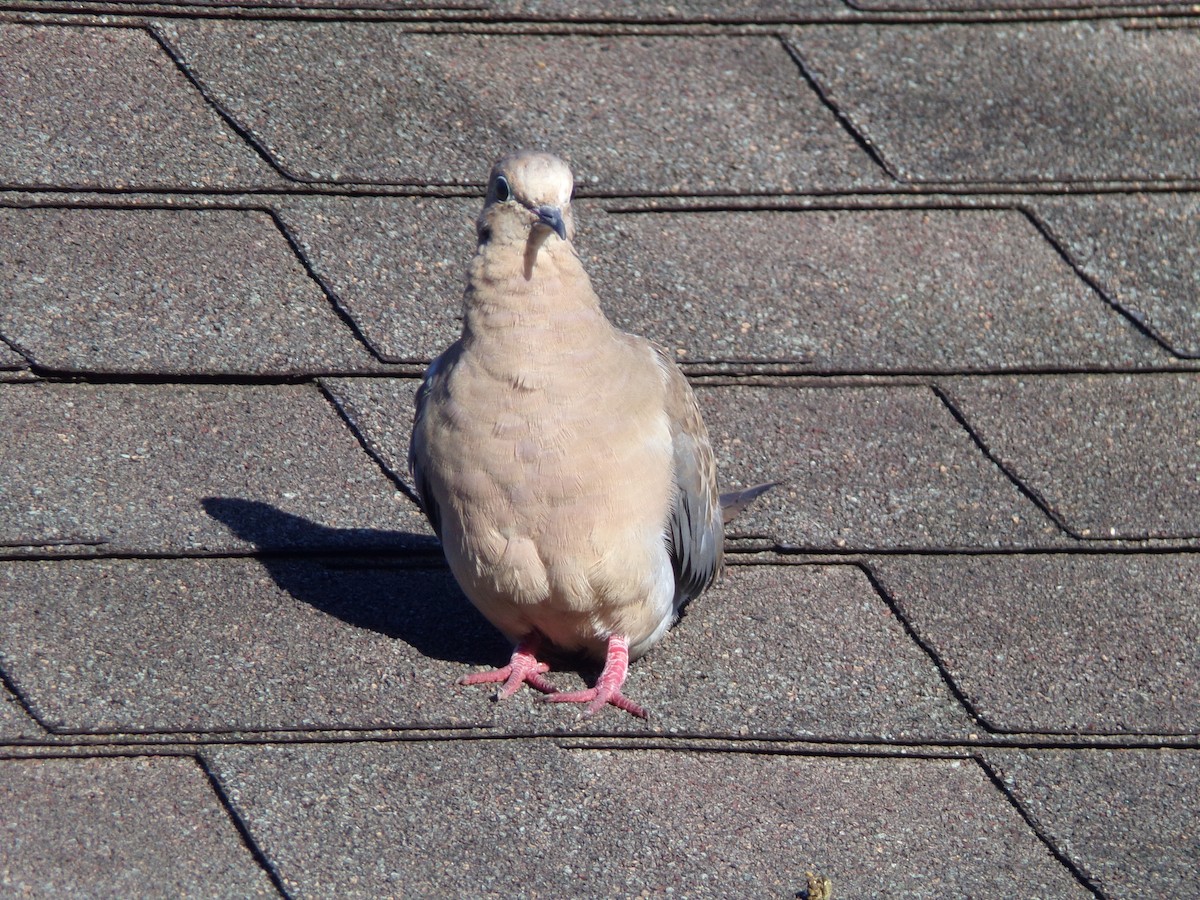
column 563, row 463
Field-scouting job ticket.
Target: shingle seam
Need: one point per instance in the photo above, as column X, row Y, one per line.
column 1137, row 321
column 260, row 857
column 1027, row 491
column 925, row 647
column 843, row 119
column 241, row 130
column 1083, row 878
column 13, row 688
column 331, row 296
column 347, row 416
column 88, row 744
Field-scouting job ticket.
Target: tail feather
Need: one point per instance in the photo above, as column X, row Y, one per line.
column 734, row 502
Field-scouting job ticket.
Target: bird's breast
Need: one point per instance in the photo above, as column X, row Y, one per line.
column 558, row 481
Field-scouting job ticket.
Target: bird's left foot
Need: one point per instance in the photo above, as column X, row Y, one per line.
column 597, row 698
column 608, row 686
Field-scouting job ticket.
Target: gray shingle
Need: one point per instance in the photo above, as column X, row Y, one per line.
column 1067, row 644
column 1114, row 456
column 106, row 107
column 396, row 264
column 969, row 103
column 212, row 645
column 856, row 291
column 11, row 360
column 183, row 469
column 15, row 724
column 1126, row 817
column 166, row 292
column 349, row 102
column 975, row 6
column 756, row 11
column 1144, row 252
column 864, row 467
column 134, row 827
column 497, row 818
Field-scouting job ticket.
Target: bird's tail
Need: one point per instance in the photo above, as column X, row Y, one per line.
column 735, row 501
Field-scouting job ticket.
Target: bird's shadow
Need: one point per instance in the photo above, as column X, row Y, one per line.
column 391, row 582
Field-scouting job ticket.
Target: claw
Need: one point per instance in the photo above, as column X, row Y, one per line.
column 608, row 686
column 523, row 668
column 597, row 699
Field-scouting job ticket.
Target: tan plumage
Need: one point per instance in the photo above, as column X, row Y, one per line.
column 563, row 463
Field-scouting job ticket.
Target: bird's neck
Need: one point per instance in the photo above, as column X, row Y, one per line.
column 535, row 290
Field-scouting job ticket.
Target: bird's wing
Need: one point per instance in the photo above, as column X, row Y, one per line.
column 694, row 533
column 417, row 451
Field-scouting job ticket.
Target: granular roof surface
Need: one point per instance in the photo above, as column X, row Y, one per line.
column 931, row 265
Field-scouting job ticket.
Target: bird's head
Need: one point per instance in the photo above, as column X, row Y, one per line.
column 529, row 197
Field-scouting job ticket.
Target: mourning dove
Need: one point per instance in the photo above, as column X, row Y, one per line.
column 563, row 463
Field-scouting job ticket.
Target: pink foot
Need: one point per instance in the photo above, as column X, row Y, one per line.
column 523, row 668
column 608, row 685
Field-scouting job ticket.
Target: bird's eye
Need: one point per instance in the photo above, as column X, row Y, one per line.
column 503, row 191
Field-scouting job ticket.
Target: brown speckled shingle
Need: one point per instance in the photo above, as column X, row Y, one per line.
column 106, row 107
column 495, row 818
column 345, row 102
column 158, row 291
column 974, row 103
column 138, row 826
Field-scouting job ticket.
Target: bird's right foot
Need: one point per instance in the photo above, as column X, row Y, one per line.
column 523, row 668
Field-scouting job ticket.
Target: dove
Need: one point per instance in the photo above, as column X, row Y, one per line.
column 563, row 463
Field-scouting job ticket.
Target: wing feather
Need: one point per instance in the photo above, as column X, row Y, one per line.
column 695, row 530
column 417, row 451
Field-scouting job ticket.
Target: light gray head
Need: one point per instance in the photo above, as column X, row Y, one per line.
column 529, row 195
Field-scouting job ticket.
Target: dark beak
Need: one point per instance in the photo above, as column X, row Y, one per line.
column 551, row 217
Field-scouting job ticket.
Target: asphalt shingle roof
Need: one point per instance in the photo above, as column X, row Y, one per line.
column 930, row 265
